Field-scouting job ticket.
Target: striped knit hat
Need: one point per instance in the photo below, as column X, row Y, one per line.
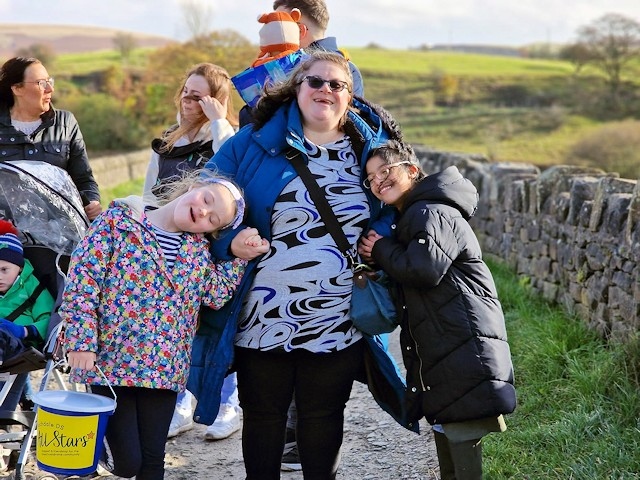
column 10, row 246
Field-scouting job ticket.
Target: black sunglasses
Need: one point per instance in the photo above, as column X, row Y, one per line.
column 318, row 82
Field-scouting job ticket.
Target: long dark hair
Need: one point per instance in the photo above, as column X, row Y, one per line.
column 12, row 72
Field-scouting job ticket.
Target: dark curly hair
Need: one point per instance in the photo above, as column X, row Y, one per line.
column 395, row 151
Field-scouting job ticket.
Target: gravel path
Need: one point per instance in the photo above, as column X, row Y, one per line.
column 374, row 448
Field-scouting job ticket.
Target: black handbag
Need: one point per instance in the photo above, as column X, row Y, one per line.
column 372, row 309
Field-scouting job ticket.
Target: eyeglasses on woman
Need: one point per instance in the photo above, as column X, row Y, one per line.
column 43, row 82
column 317, row 82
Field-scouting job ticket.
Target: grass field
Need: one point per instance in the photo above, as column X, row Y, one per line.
column 413, row 84
column 578, row 414
column 84, row 63
column 458, row 64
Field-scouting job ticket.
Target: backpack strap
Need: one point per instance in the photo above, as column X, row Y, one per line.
column 26, row 304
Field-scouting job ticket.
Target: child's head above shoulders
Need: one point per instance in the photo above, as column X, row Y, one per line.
column 392, row 170
column 204, row 202
column 11, row 255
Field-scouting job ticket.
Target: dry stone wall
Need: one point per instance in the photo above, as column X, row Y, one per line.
column 573, row 231
column 110, row 171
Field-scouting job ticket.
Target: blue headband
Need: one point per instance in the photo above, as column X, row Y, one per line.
column 237, row 196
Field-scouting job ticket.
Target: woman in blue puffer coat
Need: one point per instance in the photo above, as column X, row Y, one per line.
column 290, row 320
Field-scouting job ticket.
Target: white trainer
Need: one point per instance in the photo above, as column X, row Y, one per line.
column 226, row 423
column 180, row 422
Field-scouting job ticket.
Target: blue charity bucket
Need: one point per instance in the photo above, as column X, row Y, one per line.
column 71, row 428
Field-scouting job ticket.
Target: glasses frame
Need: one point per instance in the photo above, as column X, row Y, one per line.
column 335, row 86
column 381, row 177
column 43, row 82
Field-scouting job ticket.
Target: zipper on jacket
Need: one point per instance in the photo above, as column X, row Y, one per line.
column 415, row 346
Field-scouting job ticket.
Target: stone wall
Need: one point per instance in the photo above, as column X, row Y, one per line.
column 573, row 231
column 113, row 170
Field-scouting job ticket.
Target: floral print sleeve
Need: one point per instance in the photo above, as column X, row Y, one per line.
column 223, row 281
column 82, row 292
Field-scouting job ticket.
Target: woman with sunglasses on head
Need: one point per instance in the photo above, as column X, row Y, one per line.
column 453, row 338
column 290, row 319
column 31, row 129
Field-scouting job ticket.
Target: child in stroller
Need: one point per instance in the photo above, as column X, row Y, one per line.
column 43, row 203
column 25, row 306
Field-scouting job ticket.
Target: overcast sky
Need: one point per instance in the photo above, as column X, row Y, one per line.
column 390, row 23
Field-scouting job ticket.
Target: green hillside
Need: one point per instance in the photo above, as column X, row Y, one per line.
column 459, row 64
column 506, row 108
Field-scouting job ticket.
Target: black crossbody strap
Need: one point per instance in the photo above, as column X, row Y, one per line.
column 321, row 203
column 26, row 304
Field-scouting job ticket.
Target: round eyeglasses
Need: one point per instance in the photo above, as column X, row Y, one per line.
column 42, row 83
column 382, row 174
column 318, row 82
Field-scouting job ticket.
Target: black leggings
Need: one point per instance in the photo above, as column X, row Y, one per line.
column 137, row 431
column 322, row 383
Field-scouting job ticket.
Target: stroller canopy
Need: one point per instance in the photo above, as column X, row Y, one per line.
column 44, row 204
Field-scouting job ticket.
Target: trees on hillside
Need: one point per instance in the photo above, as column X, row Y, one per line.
column 42, row 51
column 578, row 54
column 197, row 16
column 610, row 43
column 124, row 43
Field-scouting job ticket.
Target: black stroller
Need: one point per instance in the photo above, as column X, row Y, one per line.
column 44, row 204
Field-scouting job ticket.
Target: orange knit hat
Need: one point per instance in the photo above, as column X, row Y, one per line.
column 279, row 36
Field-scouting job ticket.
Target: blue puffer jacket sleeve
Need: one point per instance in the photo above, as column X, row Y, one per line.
column 256, row 161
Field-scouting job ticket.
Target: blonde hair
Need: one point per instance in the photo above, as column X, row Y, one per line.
column 193, row 179
column 220, row 86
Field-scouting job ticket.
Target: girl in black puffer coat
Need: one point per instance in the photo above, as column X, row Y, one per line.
column 454, row 341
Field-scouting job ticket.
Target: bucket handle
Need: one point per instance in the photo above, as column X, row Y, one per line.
column 63, row 362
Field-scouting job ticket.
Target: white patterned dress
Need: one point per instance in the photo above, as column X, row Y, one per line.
column 301, row 292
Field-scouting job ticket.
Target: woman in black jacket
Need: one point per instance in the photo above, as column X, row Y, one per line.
column 454, row 341
column 30, row 128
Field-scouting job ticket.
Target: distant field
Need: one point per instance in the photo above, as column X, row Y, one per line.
column 65, row 39
column 86, row 63
column 459, row 64
column 391, row 62
column 403, row 82
column 399, row 80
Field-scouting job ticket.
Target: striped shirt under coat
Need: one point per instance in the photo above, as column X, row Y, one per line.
column 123, row 302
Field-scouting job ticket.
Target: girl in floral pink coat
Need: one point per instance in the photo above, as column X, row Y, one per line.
column 135, row 286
